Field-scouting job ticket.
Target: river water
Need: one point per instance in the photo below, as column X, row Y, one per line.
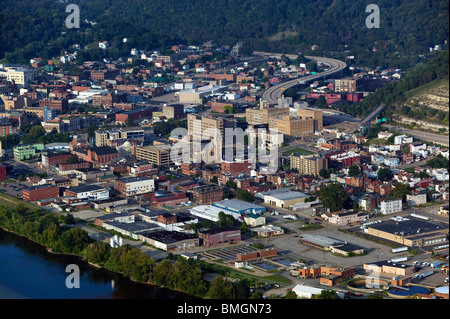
column 28, row 271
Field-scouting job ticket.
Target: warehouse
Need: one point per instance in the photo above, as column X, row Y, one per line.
column 409, row 232
column 283, row 197
column 170, row 240
column 196, row 95
column 240, row 206
column 211, row 212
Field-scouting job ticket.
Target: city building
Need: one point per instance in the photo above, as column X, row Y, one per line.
column 23, row 152
column 282, row 197
column 240, row 207
column 173, row 111
column 207, row 194
column 40, row 192
column 310, row 164
column 134, row 185
column 346, row 85
column 101, row 155
column 170, row 240
column 293, row 126
column 411, row 232
column 416, row 199
column 316, row 115
column 92, row 192
column 125, row 133
column 198, row 125
column 196, row 95
column 262, row 115
column 6, row 128
column 391, row 206
column 158, row 155
column 19, row 75
column 220, row 236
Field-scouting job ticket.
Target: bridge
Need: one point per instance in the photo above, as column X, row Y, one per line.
column 374, row 113
column 272, row 94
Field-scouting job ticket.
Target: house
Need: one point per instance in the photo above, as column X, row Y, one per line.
column 416, row 199
column 345, row 217
column 403, row 139
column 384, row 135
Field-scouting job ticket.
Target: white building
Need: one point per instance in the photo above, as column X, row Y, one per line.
column 391, row 206
column 282, row 197
column 20, row 76
column 211, row 212
column 303, row 291
column 403, row 139
column 92, row 192
column 136, row 185
column 416, row 199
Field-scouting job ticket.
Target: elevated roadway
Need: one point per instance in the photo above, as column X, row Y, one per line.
column 272, row 94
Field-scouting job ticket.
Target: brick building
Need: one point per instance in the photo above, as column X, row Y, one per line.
column 101, row 155
column 135, row 114
column 2, row 172
column 207, row 194
column 40, row 192
column 235, row 168
column 53, row 159
column 218, row 236
column 57, row 104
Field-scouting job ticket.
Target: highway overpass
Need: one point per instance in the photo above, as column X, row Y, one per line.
column 272, row 94
column 369, row 117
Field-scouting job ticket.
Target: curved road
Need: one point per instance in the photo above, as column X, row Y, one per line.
column 272, row 94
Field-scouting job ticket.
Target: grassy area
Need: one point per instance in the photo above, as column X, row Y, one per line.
column 428, row 86
column 228, row 271
column 298, row 150
column 12, row 202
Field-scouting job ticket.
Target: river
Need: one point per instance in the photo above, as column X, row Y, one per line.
column 28, row 271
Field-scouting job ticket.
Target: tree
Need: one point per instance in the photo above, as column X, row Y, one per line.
column 354, row 170
column 290, row 294
column 245, row 195
column 69, row 219
column 384, row 174
column 220, row 289
column 400, row 191
column 326, row 294
column 225, row 220
column 325, row 173
column 333, row 196
column 231, row 184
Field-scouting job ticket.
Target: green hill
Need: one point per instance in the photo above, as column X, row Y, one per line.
column 427, row 106
column 33, row 28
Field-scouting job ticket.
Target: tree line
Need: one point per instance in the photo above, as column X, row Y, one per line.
column 407, row 28
column 60, row 235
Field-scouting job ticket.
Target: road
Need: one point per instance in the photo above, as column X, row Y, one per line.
column 272, row 94
column 431, row 137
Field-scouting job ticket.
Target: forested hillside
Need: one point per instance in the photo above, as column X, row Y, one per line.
column 407, row 28
column 394, row 95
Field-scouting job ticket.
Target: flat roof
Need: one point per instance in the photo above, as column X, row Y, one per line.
column 238, row 205
column 168, row 237
column 411, row 226
column 320, row 240
column 138, row 226
column 86, row 188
